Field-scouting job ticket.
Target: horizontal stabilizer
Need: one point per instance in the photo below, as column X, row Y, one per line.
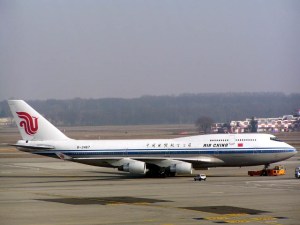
column 37, row 147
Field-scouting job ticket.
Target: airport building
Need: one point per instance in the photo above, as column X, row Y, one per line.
column 6, row 122
column 281, row 124
column 286, row 123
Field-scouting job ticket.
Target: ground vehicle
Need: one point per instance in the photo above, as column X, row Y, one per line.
column 200, row 177
column 276, row 171
column 297, row 172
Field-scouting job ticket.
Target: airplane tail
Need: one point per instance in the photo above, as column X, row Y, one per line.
column 32, row 125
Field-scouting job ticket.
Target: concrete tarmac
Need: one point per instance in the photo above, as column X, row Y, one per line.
column 43, row 191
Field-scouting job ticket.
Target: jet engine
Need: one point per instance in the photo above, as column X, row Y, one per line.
column 181, row 168
column 134, row 166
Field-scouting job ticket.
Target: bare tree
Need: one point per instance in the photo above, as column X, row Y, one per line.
column 204, row 123
column 253, row 125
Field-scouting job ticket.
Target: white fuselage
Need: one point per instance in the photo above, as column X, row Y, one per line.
column 153, row 156
column 202, row 151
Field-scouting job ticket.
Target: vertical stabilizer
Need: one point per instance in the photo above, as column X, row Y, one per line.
column 31, row 124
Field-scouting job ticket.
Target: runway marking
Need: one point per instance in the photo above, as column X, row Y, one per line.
column 228, row 210
column 241, row 218
column 22, row 167
column 6, row 172
column 289, row 185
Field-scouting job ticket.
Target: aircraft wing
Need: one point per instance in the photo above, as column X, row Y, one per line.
column 197, row 162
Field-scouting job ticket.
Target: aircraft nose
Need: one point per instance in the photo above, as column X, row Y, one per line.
column 293, row 150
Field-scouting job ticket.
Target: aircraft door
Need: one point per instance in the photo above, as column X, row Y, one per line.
column 167, row 150
column 125, row 152
column 216, row 151
column 231, row 139
column 255, row 148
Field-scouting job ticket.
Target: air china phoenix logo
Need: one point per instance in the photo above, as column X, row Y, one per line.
column 29, row 123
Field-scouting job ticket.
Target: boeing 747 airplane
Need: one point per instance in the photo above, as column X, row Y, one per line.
column 159, row 157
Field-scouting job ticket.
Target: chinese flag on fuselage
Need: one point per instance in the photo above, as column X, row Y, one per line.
column 240, row 145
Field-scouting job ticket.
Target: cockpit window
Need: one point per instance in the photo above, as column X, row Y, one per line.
column 274, row 139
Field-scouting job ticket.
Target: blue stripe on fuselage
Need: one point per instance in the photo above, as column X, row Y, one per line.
column 194, row 151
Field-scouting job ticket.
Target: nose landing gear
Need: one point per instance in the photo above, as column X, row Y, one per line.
column 264, row 171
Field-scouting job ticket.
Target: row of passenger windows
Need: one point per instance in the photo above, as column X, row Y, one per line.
column 235, row 140
column 245, row 139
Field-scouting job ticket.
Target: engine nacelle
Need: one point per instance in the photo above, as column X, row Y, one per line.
column 134, row 166
column 182, row 168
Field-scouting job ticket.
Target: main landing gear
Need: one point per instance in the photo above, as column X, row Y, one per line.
column 160, row 172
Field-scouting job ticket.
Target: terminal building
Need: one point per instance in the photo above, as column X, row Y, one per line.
column 286, row 123
column 281, row 124
column 6, row 122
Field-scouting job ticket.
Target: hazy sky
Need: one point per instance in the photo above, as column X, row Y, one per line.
column 94, row 49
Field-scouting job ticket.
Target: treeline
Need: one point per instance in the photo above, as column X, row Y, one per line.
column 180, row 109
